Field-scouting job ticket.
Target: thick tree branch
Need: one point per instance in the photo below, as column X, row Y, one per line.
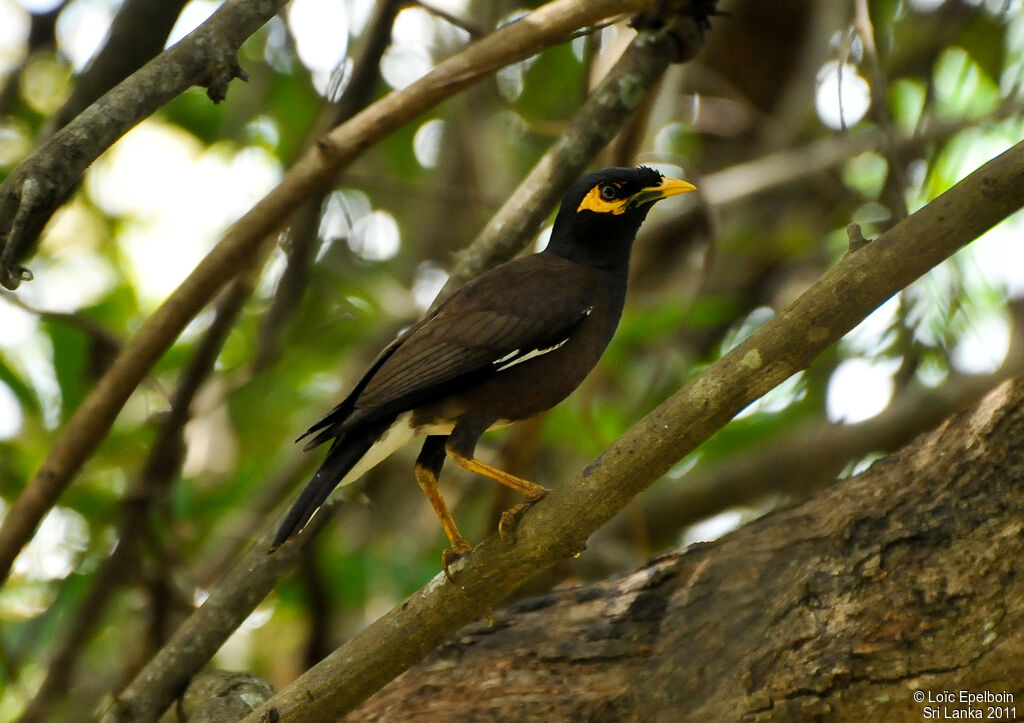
column 137, row 35
column 904, row 578
column 207, row 56
column 802, row 459
column 558, row 526
column 86, row 429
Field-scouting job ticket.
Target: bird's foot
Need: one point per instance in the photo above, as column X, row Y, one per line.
column 510, row 517
column 452, row 554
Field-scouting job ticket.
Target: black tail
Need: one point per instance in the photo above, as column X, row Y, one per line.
column 343, row 456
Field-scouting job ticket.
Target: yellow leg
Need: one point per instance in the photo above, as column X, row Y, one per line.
column 531, row 490
column 427, row 480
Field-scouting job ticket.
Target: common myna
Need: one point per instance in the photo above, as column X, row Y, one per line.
column 508, row 345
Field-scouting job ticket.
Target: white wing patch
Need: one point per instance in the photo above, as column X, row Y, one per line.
column 510, row 355
column 507, row 361
column 513, row 357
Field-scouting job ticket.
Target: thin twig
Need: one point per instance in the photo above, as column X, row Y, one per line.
column 94, row 329
column 774, row 170
column 894, row 193
column 473, row 31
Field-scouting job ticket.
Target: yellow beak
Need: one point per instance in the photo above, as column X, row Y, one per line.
column 672, row 187
column 667, row 187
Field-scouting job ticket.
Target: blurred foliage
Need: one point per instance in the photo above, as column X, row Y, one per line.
column 706, row 276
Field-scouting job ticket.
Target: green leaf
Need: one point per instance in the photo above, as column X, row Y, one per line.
column 70, row 359
column 906, row 102
column 22, row 391
column 984, row 39
column 553, row 85
column 962, row 88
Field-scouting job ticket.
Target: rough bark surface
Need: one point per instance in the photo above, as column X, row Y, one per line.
column 903, row 579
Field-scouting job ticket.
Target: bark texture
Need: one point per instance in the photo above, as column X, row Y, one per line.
column 903, row 579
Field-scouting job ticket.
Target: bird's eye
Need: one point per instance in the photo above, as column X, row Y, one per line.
column 608, row 192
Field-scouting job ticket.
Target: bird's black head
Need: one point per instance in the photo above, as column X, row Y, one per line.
column 602, row 212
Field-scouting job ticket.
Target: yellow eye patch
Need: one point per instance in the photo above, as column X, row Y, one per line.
column 593, row 202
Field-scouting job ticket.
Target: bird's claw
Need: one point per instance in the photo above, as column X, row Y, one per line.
column 510, row 518
column 452, row 554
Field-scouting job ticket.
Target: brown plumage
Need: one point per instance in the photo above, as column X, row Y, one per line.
column 508, row 345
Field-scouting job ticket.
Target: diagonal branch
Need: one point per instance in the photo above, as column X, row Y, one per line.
column 904, row 577
column 137, row 34
column 558, row 526
column 805, row 458
column 546, row 26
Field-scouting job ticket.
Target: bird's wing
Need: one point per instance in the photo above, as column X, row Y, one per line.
column 525, row 311
column 478, row 342
column 341, row 412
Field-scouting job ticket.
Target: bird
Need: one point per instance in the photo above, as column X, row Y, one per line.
column 508, row 345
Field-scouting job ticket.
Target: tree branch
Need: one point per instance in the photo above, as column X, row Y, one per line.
column 242, row 243
column 207, row 56
column 558, row 526
column 905, row 577
column 777, row 169
column 138, row 34
column 803, row 458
